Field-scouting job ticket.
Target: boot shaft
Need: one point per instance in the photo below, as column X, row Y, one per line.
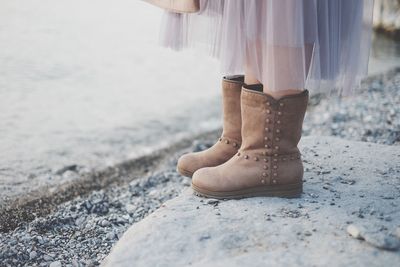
column 272, row 126
column 231, row 92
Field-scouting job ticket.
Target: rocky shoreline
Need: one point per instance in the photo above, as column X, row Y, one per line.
column 348, row 215
column 81, row 231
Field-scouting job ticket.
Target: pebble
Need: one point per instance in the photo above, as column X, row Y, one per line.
column 130, row 208
column 307, row 233
column 71, row 168
column 55, row 264
column 139, row 210
column 47, row 258
column 212, row 201
column 105, row 223
column 39, row 239
column 110, row 236
column 80, row 221
column 354, row 231
column 32, row 255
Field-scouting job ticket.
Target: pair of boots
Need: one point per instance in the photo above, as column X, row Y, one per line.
column 257, row 153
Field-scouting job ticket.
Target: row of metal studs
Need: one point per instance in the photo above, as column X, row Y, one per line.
column 226, row 141
column 277, row 139
column 266, row 159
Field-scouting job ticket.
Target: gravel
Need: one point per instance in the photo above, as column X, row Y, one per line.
column 371, row 115
column 81, row 232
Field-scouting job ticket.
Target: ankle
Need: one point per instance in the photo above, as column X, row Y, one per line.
column 282, row 93
column 275, row 94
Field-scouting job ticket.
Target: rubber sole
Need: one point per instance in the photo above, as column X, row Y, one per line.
column 184, row 172
column 284, row 191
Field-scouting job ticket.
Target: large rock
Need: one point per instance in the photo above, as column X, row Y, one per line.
column 346, row 183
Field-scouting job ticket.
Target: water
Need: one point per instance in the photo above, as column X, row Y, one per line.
column 385, row 54
column 84, row 82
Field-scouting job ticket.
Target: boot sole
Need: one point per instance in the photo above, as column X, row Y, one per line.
column 284, row 191
column 184, row 172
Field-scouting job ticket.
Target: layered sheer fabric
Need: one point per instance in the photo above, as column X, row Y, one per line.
column 286, row 44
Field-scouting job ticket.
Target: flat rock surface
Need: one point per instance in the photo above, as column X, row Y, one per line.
column 349, row 186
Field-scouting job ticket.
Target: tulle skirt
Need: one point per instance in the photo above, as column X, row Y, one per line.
column 286, row 44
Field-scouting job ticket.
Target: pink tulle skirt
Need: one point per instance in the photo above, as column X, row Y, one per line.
column 286, row 44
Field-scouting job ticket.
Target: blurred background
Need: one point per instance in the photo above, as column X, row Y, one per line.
column 84, row 84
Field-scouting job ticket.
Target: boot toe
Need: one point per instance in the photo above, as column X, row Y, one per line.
column 186, row 165
column 204, row 178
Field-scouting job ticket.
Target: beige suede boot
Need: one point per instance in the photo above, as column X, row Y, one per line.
column 268, row 162
column 230, row 140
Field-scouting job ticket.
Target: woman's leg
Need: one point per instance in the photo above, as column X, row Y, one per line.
column 286, row 68
column 250, row 79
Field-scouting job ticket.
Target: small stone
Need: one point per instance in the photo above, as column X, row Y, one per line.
column 79, row 221
column 354, row 231
column 105, row 223
column 88, row 206
column 140, row 210
column 32, row 255
column 350, row 182
column 212, row 201
column 75, row 263
column 204, row 237
column 47, row 258
column 55, row 264
column 153, row 193
column 40, row 240
column 72, row 168
column 110, row 236
column 307, row 233
column 130, row 208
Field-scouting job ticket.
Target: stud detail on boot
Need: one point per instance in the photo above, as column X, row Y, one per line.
column 268, row 162
column 231, row 138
